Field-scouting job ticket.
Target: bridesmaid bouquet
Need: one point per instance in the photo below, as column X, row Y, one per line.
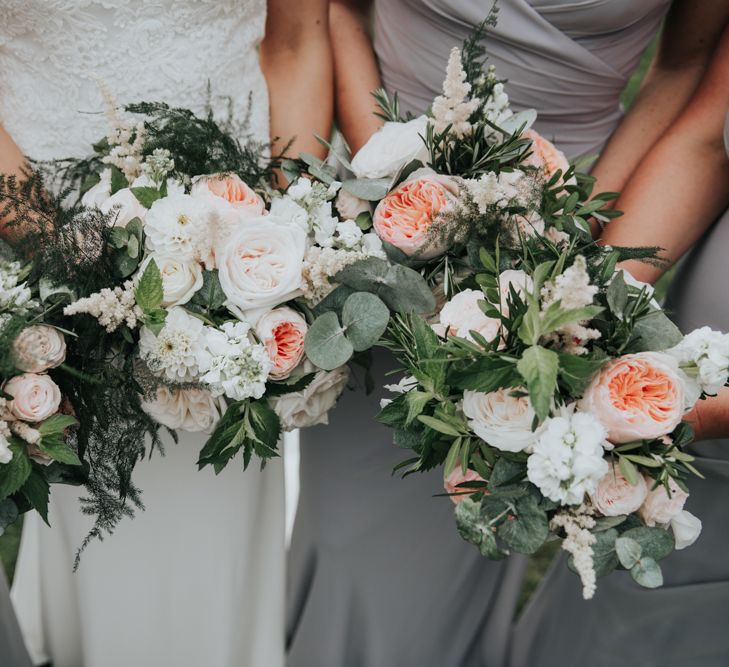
column 33, row 431
column 548, row 384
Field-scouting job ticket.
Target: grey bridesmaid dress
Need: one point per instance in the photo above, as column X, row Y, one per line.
column 686, row 622
column 378, row 576
column 12, row 648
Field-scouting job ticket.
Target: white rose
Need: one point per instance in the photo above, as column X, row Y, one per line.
column 94, row 197
column 462, row 314
column 392, row 147
column 616, row 496
column 260, row 266
column 350, row 206
column 35, row 397
column 311, row 406
column 179, row 226
column 658, row 507
column 193, row 410
column 38, row 348
column 500, row 419
column 125, row 205
column 180, row 279
column 686, row 529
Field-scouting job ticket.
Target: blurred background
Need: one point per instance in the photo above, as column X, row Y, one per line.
column 10, row 540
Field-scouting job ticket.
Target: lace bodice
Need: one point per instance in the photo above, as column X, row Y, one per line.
column 184, row 52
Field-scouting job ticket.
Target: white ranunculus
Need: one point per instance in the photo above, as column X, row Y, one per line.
column 392, row 147
column 567, row 461
column 179, row 225
column 502, row 420
column 180, row 279
column 615, row 495
column 686, row 529
column 462, row 314
column 260, row 265
column 125, row 205
column 192, row 410
column 311, row 406
column 38, row 348
column 349, row 206
column 94, row 197
column 179, row 350
column 660, row 508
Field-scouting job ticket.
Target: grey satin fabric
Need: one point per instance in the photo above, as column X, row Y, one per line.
column 687, row 621
column 378, row 576
column 12, row 649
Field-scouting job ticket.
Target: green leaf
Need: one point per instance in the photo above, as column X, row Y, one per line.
column 643, row 460
column 656, row 543
column 365, row 318
column 506, row 472
column 266, row 429
column 150, row 292
column 655, row 332
column 290, row 169
column 146, row 196
column 557, row 317
column 538, row 366
column 57, row 424
column 527, row 530
column 607, row 522
column 403, row 289
column 628, row 550
column 155, row 320
column 37, row 492
column 210, row 296
column 486, row 374
column 118, row 180
column 118, row 237
column 440, row 426
column 369, row 189
column 576, row 372
column 14, row 473
column 8, row 513
column 647, row 573
column 364, row 221
column 54, row 447
column 617, row 295
column 590, row 207
column 604, row 557
column 475, row 529
column 416, row 400
column 629, row 471
column 326, row 345
column 133, row 247
column 290, row 386
column 454, row 454
column 395, row 413
column 530, row 330
column 488, row 261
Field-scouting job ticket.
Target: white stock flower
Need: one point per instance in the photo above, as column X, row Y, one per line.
column 703, row 356
column 348, row 235
column 502, row 420
column 311, row 406
column 192, row 410
column 236, row 366
column 178, row 225
column 567, row 461
column 392, row 147
column 261, row 264
column 178, row 351
column 454, row 108
column 686, row 529
column 180, row 279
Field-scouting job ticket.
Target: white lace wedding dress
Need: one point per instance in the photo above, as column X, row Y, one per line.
column 198, row 578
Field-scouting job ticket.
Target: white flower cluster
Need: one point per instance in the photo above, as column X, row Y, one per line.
column 125, row 137
column 6, row 454
column 571, row 289
column 321, row 264
column 703, row 356
column 577, row 524
column 235, row 366
column 454, row 108
column 494, row 192
column 112, row 307
column 157, row 165
column 567, row 461
column 13, row 296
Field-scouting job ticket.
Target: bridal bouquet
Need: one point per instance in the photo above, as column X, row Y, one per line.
column 33, row 445
column 548, row 384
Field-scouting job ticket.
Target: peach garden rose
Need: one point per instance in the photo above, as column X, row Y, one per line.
column 545, row 156
column 406, row 217
column 282, row 331
column 637, row 396
column 616, row 496
column 232, row 189
column 457, row 477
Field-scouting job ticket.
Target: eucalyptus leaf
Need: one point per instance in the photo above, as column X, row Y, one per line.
column 369, row 189
column 629, row 551
column 617, row 295
column 326, row 345
column 656, row 543
column 655, row 332
column 647, row 573
column 365, row 318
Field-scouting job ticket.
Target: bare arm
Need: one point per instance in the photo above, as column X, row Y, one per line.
column 710, row 418
column 682, row 185
column 356, row 72
column 296, row 58
column 690, row 34
column 12, row 162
